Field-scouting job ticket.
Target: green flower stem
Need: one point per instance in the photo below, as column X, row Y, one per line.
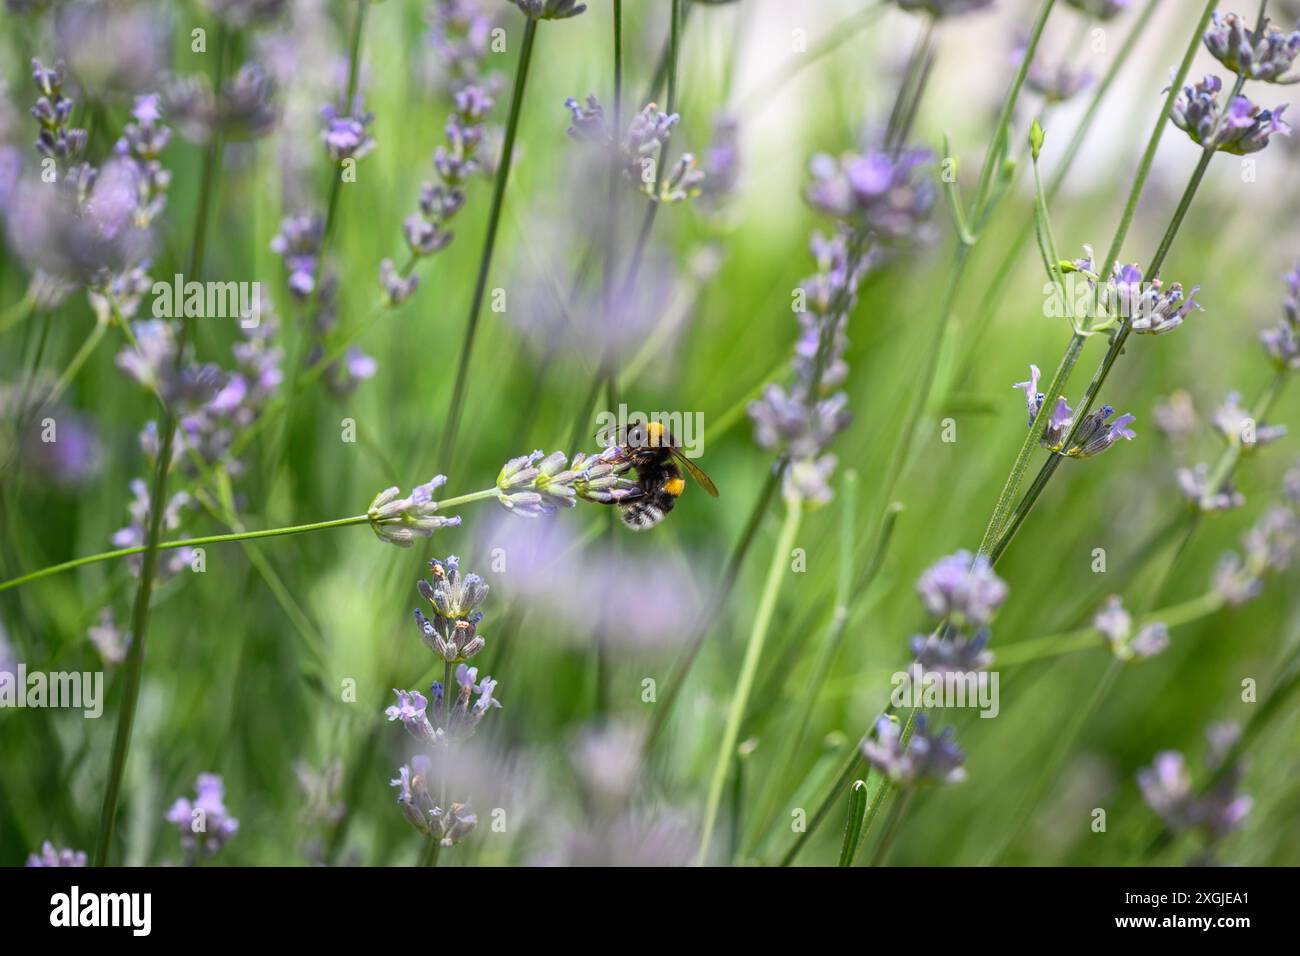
column 893, row 823
column 1047, row 244
column 16, row 313
column 1009, row 487
column 1052, row 766
column 447, row 445
column 748, row 670
column 1002, row 132
column 181, row 543
column 1099, row 378
column 909, row 91
column 83, row 354
column 739, row 552
column 829, row 646
column 157, row 504
column 1088, row 638
column 1231, row 455
column 674, row 54
column 1002, row 274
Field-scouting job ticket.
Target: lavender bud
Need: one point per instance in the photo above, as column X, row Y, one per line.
column 52, row 856
column 209, row 806
column 925, row 758
column 397, row 287
column 963, row 588
column 1246, row 53
column 402, row 521
column 1240, row 129
column 1194, row 483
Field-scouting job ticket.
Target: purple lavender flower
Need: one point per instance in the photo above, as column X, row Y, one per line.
column 1176, row 416
column 1238, row 427
column 459, row 35
column 170, row 562
column 963, row 588
column 956, row 654
column 549, row 9
column 942, row 8
column 1033, row 397
column 1240, row 129
column 1246, row 53
column 1282, row 343
column 453, row 595
column 50, row 855
column 298, row 243
column 1216, row 811
column 109, row 640
column 243, row 109
column 638, row 151
column 402, row 521
column 784, row 421
column 924, row 759
column 808, row 480
column 410, row 710
column 1056, row 82
column 347, row 134
column 397, row 287
column 1096, row 434
column 52, row 111
column 413, row 792
column 1113, row 622
column 1234, row 582
column 1271, row 543
column 879, row 192
column 142, row 142
column 537, row 484
column 114, row 49
column 1149, row 308
column 1148, row 642
column 1194, row 483
column 721, row 162
column 204, row 824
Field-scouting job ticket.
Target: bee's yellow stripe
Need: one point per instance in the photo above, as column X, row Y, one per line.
column 674, row 486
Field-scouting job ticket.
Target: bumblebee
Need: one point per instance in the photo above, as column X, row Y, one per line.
column 655, row 455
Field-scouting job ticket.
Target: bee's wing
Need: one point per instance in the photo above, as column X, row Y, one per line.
column 694, row 471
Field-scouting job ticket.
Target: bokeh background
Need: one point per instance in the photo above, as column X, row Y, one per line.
column 245, row 661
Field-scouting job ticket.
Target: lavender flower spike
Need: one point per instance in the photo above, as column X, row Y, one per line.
column 963, row 588
column 1248, row 54
column 537, row 484
column 1240, row 129
column 401, row 521
column 205, row 825
column 51, row 855
column 1096, row 434
column 925, row 758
